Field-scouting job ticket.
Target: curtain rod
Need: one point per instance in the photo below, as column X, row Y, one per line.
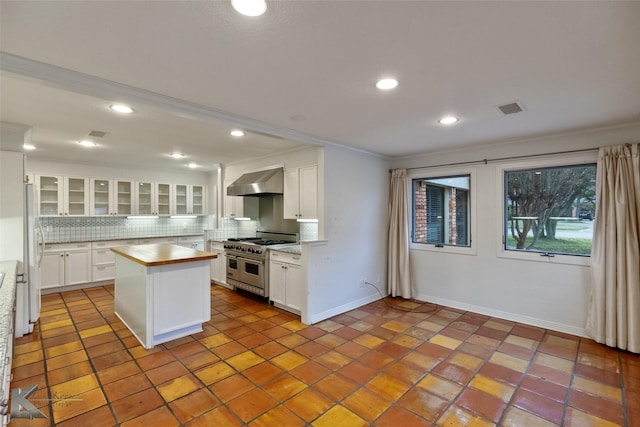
column 498, row 159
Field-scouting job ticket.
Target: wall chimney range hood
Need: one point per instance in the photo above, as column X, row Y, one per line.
column 262, row 183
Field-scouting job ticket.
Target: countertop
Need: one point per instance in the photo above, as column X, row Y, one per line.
column 53, row 242
column 161, row 254
column 7, row 301
column 290, row 248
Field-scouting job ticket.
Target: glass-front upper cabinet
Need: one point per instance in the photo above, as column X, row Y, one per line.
column 153, row 199
column 197, row 200
column 50, row 195
column 181, row 199
column 189, row 199
column 76, row 196
column 145, row 198
column 62, row 196
column 163, row 198
column 124, row 197
column 101, row 197
column 111, row 197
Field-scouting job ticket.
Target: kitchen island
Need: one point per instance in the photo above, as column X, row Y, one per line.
column 162, row 291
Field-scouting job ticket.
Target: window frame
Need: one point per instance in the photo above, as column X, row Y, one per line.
column 555, row 162
column 430, row 173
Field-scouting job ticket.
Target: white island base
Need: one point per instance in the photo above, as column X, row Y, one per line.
column 162, row 303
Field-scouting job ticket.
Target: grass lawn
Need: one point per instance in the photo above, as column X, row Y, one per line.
column 559, row 246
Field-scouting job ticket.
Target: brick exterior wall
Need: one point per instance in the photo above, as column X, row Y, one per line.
column 420, row 233
column 452, row 216
column 421, row 212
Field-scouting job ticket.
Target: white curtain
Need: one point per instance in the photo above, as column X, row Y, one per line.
column 614, row 306
column 398, row 258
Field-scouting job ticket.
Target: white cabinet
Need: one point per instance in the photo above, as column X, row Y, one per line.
column 193, row 242
column 189, row 199
column 301, row 193
column 62, row 196
column 218, row 265
column 65, row 264
column 150, row 240
column 285, row 281
column 152, row 198
column 163, row 199
column 239, row 206
column 111, row 197
column 233, row 205
column 103, row 260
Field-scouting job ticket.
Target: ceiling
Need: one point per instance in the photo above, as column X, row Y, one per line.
column 305, row 73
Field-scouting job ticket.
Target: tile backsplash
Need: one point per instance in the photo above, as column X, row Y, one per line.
column 308, row 231
column 83, row 229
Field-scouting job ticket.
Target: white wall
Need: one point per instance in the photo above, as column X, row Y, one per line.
column 545, row 294
column 12, row 201
column 356, row 192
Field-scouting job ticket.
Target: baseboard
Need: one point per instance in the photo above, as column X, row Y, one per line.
column 532, row 321
column 318, row 317
column 57, row 289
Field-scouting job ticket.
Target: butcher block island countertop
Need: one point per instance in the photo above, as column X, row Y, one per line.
column 161, row 254
column 162, row 291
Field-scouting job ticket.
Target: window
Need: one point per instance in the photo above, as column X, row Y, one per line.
column 441, row 211
column 550, row 210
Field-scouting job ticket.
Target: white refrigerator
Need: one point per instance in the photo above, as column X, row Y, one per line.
column 21, row 237
column 28, row 296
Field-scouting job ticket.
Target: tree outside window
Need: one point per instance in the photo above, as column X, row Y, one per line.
column 550, row 209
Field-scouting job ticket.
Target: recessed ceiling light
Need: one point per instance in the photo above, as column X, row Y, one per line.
column 448, row 120
column 386, row 84
column 250, row 7
column 177, row 155
column 29, row 147
column 121, row 108
column 237, row 133
column 192, row 165
column 87, row 143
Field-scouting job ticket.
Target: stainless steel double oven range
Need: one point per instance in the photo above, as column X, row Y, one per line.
column 248, row 260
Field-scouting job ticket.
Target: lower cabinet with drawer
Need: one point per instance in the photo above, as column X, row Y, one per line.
column 151, row 240
column 285, row 281
column 194, row 242
column 65, row 264
column 218, row 265
column 104, row 260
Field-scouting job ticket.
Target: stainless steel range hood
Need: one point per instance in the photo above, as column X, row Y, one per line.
column 262, row 183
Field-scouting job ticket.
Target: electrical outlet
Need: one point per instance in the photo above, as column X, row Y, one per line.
column 363, row 282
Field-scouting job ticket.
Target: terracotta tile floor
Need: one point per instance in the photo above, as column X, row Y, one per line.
column 257, row 365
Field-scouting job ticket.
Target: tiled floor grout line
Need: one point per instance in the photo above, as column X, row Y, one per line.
column 98, row 303
column 142, row 370
column 86, row 350
column 44, row 361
